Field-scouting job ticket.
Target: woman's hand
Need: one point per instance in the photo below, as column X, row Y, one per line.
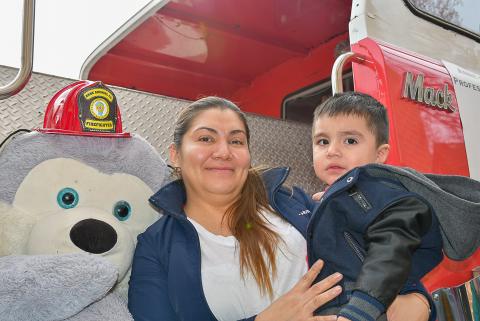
column 303, row 299
column 412, row 307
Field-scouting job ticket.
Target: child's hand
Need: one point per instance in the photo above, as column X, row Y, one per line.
column 317, row 196
column 342, row 319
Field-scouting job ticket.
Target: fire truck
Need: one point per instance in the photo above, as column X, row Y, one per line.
column 279, row 59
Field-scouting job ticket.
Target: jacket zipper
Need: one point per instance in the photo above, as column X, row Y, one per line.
column 354, row 246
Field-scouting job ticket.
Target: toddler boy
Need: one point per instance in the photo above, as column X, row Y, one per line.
column 380, row 236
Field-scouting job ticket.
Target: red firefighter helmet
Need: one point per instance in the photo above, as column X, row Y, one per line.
column 84, row 108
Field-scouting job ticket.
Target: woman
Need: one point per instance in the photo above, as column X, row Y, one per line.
column 229, row 246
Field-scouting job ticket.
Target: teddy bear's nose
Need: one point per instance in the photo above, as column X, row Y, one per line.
column 93, row 236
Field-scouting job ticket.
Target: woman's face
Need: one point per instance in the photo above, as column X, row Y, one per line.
column 214, row 156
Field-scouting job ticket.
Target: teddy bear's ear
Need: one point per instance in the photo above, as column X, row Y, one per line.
column 12, row 136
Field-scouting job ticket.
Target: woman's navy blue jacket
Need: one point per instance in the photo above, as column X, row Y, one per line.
column 166, row 283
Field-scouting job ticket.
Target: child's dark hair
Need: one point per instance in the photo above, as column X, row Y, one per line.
column 357, row 104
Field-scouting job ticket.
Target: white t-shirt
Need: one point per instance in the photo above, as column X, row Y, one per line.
column 228, row 295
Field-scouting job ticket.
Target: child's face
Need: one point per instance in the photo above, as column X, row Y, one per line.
column 341, row 143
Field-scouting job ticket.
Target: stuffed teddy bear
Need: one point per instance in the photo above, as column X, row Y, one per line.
column 73, row 198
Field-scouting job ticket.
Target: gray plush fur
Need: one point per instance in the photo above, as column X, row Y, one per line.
column 455, row 199
column 53, row 287
column 110, row 308
column 25, row 151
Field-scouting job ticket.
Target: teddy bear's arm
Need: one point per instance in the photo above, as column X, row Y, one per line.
column 52, row 287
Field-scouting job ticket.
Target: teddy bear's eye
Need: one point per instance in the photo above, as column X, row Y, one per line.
column 122, row 210
column 67, row 198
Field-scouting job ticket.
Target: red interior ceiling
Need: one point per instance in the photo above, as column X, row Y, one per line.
column 191, row 48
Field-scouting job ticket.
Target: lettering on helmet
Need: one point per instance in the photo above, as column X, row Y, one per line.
column 98, row 124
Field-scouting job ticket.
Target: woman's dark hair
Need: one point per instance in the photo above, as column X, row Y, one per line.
column 258, row 242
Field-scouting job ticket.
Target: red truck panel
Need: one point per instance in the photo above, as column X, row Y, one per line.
column 429, row 139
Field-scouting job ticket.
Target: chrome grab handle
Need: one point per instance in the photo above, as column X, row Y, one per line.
column 337, row 70
column 460, row 303
column 26, row 64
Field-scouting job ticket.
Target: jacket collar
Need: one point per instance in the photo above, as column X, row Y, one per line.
column 172, row 197
column 273, row 179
